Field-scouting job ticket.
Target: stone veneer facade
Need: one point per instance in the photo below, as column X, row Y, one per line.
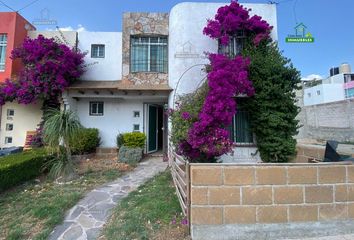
column 278, row 196
column 149, row 24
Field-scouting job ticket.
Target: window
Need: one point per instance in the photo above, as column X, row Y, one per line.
column 148, row 54
column 8, row 140
column 136, row 114
column 10, row 113
column 9, row 127
column 240, row 131
column 235, row 45
column 96, row 108
column 318, row 92
column 3, row 44
column 136, row 128
column 97, row 51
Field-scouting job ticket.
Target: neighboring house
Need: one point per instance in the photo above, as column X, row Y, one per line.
column 337, row 87
column 134, row 76
column 16, row 119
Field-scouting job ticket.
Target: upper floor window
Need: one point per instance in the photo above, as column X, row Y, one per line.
column 235, row 46
column 3, row 44
column 148, row 54
column 97, row 51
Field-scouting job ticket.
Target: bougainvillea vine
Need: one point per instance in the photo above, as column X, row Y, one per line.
column 48, row 68
column 207, row 136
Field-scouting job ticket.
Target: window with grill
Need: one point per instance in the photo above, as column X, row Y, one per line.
column 240, row 130
column 96, row 108
column 148, row 54
column 97, row 51
column 3, row 44
column 235, row 46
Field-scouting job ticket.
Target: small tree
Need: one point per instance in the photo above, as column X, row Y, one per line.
column 59, row 129
column 272, row 108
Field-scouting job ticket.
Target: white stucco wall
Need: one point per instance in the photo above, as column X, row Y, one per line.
column 108, row 68
column 328, row 93
column 26, row 118
column 118, row 118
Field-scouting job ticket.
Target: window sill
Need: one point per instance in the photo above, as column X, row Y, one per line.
column 246, row 145
column 149, row 72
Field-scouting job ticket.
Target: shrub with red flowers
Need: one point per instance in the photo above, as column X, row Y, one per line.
column 49, row 67
column 206, row 137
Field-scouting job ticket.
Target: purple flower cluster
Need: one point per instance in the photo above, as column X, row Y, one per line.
column 49, row 67
column 234, row 17
column 227, row 78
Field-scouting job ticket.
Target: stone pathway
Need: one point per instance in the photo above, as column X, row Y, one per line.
column 339, row 237
column 85, row 220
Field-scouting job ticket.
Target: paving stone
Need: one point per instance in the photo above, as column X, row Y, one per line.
column 75, row 213
column 73, row 233
column 92, row 233
column 59, row 230
column 86, row 221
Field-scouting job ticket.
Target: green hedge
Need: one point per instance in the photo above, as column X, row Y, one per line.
column 86, row 141
column 133, row 139
column 20, row 167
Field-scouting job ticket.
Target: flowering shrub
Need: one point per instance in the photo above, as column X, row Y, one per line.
column 201, row 135
column 233, row 18
column 49, row 67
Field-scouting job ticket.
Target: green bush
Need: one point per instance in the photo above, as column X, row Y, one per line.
column 134, row 139
column 86, row 141
column 20, row 167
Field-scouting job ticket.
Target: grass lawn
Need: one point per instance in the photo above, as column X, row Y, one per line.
column 31, row 211
column 151, row 212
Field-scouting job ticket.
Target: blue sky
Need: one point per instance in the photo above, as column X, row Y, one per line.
column 330, row 22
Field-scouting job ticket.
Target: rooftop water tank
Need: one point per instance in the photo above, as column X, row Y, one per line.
column 345, row 68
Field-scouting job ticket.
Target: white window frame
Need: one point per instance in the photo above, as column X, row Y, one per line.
column 8, row 127
column 7, row 140
column 3, row 44
column 138, row 127
column 96, row 113
column 149, row 44
column 101, row 50
column 136, row 114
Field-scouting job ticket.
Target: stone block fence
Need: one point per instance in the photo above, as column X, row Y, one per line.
column 270, row 201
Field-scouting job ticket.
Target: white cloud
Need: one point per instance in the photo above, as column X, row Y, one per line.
column 312, row 77
column 79, row 28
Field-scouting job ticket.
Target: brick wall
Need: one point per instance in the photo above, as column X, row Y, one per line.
column 268, row 193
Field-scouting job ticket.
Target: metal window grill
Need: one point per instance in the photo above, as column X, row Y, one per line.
column 3, row 44
column 148, row 54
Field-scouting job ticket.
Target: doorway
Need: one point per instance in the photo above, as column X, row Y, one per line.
column 155, row 128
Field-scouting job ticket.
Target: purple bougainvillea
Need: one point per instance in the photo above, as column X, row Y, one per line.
column 49, row 67
column 232, row 18
column 228, row 78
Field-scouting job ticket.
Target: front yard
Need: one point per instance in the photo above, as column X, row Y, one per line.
column 151, row 212
column 32, row 210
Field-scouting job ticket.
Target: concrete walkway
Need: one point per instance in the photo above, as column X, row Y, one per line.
column 86, row 219
column 339, row 237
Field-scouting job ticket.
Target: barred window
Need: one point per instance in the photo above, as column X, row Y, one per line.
column 235, row 46
column 240, row 131
column 148, row 54
column 3, row 44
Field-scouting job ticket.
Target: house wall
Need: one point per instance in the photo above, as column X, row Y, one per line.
column 149, row 24
column 118, row 118
column 187, row 47
column 108, row 68
column 328, row 93
column 66, row 37
column 270, row 201
column 26, row 118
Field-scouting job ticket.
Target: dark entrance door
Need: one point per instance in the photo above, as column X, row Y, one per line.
column 152, row 128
